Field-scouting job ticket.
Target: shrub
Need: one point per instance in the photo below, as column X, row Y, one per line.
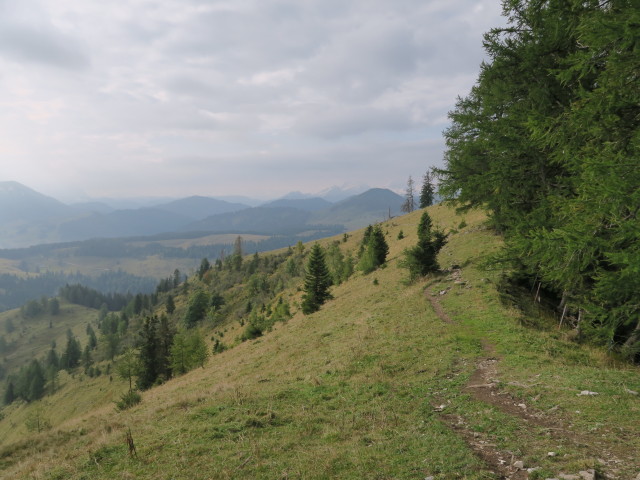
column 128, row 400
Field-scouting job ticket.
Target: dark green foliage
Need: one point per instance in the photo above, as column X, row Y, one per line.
column 218, row 346
column 548, row 141
column 149, row 347
column 73, row 352
column 28, row 384
column 217, row 301
column 423, row 257
column 52, row 359
column 375, row 251
column 18, row 290
column 93, row 340
column 170, row 306
column 427, row 193
column 251, row 331
column 317, row 281
column 88, row 297
column 166, row 333
column 128, row 399
column 205, row 266
column 378, row 245
column 198, row 305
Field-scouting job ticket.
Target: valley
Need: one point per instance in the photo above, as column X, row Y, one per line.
column 437, row 378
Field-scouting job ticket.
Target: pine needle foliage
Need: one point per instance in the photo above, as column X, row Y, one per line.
column 374, row 249
column 548, row 141
column 422, row 258
column 316, row 282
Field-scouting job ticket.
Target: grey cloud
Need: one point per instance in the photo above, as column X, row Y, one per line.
column 338, row 122
column 41, row 44
column 45, row 47
column 197, row 94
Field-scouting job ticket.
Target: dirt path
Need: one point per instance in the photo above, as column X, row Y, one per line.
column 438, row 308
column 498, row 462
column 483, row 386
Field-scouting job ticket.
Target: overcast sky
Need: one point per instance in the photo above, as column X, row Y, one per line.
column 247, row 97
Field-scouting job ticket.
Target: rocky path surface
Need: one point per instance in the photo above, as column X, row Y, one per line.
column 483, row 386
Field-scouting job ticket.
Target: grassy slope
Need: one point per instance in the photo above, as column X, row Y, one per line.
column 349, row 392
column 33, row 337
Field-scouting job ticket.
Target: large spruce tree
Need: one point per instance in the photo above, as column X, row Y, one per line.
column 548, row 141
column 316, row 282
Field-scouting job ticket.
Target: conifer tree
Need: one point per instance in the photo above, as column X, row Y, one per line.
column 547, row 141
column 170, row 306
column 148, row 353
column 427, row 192
column 166, row 332
column 71, row 356
column 205, row 266
column 376, row 249
column 317, row 281
column 422, row 258
column 198, row 304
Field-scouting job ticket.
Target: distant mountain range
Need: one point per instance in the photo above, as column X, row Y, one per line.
column 30, row 218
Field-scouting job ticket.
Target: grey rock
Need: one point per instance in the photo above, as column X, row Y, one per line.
column 588, row 474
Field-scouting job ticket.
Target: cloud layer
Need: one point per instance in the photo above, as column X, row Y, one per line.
column 253, row 97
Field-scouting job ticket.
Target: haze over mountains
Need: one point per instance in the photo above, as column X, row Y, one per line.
column 30, row 218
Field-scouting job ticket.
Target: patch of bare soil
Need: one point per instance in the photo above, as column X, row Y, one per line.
column 501, row 463
column 435, row 304
column 484, row 387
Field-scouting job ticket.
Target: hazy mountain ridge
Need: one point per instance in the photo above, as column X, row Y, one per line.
column 199, row 208
column 312, row 204
column 31, row 218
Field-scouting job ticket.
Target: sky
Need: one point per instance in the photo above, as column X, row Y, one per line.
column 259, row 98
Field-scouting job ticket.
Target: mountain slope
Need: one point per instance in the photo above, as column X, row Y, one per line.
column 271, row 220
column 382, row 382
column 372, row 206
column 122, row 223
column 27, row 216
column 307, row 204
column 20, row 203
column 199, row 208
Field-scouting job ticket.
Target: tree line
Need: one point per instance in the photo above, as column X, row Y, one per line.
column 547, row 140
